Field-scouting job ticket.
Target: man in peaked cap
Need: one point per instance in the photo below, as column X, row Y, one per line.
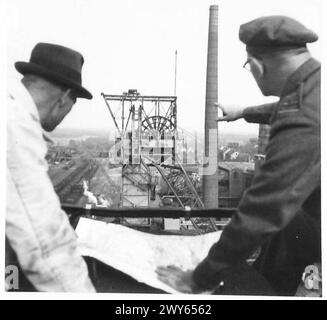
column 38, row 234
column 280, row 211
column 275, row 34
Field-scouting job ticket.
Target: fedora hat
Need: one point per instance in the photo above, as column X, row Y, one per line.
column 58, row 64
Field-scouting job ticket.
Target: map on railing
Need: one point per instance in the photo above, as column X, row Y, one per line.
column 138, row 254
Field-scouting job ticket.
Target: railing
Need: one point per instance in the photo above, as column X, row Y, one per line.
column 149, row 212
column 75, row 212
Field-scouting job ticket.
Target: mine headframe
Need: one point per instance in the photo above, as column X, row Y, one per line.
column 145, row 124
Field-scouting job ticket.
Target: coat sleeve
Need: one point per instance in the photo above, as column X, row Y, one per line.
column 36, row 228
column 259, row 114
column 286, row 179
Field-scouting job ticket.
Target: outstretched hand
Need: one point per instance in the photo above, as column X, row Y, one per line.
column 230, row 112
column 178, row 279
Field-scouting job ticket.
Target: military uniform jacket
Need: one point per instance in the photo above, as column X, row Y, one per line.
column 286, row 183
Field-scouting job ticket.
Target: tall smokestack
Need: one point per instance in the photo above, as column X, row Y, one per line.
column 210, row 178
column 196, row 148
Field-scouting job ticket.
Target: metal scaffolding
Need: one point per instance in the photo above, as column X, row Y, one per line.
column 146, row 126
column 147, row 132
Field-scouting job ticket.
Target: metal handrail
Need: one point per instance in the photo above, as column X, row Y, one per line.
column 149, row 212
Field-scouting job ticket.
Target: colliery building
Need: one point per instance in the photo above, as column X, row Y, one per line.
column 234, row 178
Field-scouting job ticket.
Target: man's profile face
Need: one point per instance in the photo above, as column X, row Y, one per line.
column 257, row 70
column 62, row 106
column 66, row 106
column 264, row 73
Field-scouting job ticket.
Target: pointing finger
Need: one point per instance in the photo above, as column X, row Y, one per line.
column 222, row 108
column 223, row 118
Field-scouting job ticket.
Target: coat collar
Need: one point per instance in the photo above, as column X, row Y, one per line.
column 19, row 93
column 300, row 75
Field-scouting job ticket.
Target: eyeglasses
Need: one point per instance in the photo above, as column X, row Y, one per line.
column 247, row 65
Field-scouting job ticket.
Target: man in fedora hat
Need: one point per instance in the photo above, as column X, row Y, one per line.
column 37, row 230
column 280, row 211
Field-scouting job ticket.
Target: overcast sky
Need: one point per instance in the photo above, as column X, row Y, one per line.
column 131, row 44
